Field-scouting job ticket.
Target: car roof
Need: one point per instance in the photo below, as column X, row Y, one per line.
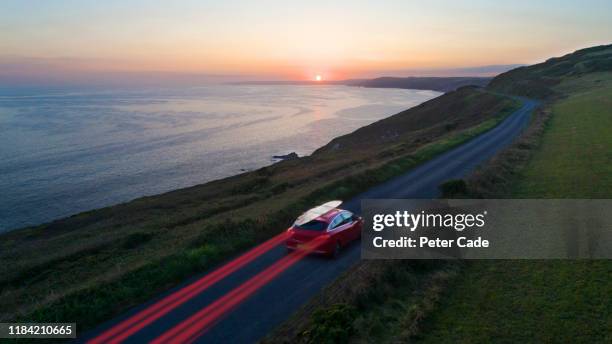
column 329, row 216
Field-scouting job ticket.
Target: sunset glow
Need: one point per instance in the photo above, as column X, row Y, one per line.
column 318, row 78
column 279, row 40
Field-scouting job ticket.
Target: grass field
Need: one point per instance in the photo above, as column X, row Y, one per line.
column 575, row 159
column 525, row 302
column 547, row 301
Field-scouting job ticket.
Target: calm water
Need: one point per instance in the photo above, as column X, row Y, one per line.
column 64, row 153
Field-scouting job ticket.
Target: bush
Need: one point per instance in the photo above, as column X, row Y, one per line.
column 136, row 239
column 332, row 325
column 454, row 188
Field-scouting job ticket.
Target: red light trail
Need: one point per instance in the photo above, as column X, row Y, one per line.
column 194, row 326
column 126, row 328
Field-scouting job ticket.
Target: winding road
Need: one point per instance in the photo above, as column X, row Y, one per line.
column 251, row 296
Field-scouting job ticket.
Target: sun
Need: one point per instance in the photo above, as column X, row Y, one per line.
column 318, row 78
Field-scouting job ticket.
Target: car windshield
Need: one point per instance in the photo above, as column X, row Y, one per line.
column 314, row 225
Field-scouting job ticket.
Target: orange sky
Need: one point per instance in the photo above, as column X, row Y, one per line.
column 297, row 40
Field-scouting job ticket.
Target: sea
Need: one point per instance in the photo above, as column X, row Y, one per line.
column 64, row 152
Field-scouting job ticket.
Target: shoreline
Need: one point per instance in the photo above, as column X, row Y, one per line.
column 238, row 171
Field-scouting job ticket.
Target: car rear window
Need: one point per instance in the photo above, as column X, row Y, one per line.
column 314, row 225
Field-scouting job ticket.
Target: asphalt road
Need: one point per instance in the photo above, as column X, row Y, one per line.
column 271, row 304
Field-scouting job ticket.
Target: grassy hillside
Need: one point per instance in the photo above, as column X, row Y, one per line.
column 94, row 265
column 540, row 80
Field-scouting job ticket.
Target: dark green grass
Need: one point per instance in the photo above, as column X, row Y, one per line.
column 526, row 302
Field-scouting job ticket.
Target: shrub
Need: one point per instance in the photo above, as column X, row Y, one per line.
column 332, row 325
column 136, row 239
column 454, row 188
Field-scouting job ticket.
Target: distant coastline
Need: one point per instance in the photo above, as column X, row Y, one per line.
column 440, row 84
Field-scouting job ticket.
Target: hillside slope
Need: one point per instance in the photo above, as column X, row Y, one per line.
column 539, row 80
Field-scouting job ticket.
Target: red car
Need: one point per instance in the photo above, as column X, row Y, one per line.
column 325, row 229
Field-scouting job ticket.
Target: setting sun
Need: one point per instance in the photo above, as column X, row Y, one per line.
column 318, row 78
